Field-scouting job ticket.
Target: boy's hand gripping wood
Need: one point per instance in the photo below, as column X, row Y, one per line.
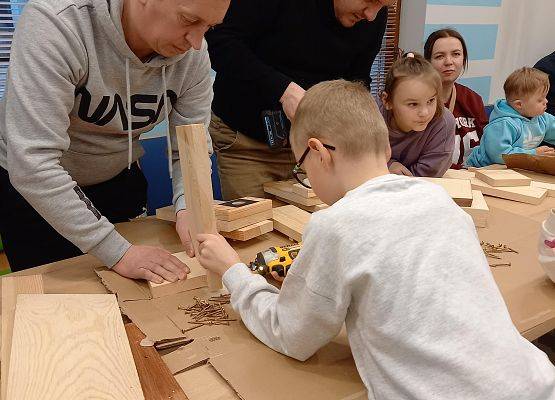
column 195, row 168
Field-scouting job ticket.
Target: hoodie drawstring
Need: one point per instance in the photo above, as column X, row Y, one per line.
column 168, row 137
column 129, row 122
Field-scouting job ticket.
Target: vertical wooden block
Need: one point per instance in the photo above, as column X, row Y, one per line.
column 195, row 168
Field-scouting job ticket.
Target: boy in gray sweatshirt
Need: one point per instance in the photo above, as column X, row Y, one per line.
column 86, row 79
column 396, row 260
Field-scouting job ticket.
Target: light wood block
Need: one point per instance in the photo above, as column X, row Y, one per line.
column 230, row 226
column 460, row 190
column 284, row 190
column 241, row 208
column 319, row 207
column 492, row 167
column 479, row 210
column 11, row 287
column 310, row 209
column 250, row 232
column 195, row 168
column 195, row 279
column 550, row 187
column 290, row 221
column 506, row 177
column 303, row 191
column 71, row 347
column 523, row 194
column 459, row 174
column 157, row 381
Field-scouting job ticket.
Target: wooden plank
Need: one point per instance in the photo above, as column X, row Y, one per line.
column 506, row 177
column 550, row 187
column 479, row 211
column 157, row 381
column 250, row 232
column 195, row 279
column 310, row 209
column 284, row 190
column 230, row 226
column 460, row 190
column 11, row 287
column 73, row 347
column 459, row 174
column 290, row 221
column 492, row 167
column 303, row 191
column 523, row 194
column 195, row 168
column 241, row 208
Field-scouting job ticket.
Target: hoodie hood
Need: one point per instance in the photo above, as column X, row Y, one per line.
column 502, row 109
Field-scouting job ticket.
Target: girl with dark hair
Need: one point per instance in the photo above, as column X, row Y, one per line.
column 446, row 50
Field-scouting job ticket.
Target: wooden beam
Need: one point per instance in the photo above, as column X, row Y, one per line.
column 230, row 226
column 11, row 287
column 241, row 208
column 157, row 381
column 290, row 221
column 460, row 190
column 250, row 232
column 523, row 194
column 68, row 346
column 195, row 279
column 195, row 168
column 506, row 177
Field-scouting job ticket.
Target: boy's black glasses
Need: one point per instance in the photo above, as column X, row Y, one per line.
column 299, row 173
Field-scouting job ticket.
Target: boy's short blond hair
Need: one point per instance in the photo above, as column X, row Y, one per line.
column 344, row 112
column 524, row 82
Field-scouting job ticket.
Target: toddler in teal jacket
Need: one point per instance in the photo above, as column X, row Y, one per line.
column 518, row 124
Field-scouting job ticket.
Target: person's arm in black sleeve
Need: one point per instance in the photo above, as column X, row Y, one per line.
column 360, row 68
column 230, row 46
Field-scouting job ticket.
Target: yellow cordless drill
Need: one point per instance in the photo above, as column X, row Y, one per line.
column 275, row 259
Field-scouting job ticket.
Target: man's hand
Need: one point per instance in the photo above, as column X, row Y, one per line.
column 290, row 99
column 545, row 151
column 151, row 263
column 182, row 224
column 399, row 169
column 215, row 254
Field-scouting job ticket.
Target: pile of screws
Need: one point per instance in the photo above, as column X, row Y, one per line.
column 491, row 251
column 209, row 312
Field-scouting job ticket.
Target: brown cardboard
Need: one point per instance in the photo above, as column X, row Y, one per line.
column 186, row 357
column 152, row 321
column 124, row 288
column 204, row 383
column 531, row 162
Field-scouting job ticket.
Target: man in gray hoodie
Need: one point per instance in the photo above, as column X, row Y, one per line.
column 86, row 78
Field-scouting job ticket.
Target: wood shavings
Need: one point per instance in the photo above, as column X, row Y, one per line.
column 492, row 251
column 209, row 312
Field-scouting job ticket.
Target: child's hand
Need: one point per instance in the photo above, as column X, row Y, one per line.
column 215, row 254
column 399, row 169
column 545, row 150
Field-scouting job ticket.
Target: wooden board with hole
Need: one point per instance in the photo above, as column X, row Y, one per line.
column 195, row 279
column 290, row 221
column 284, row 190
column 250, row 232
column 460, row 190
column 479, row 210
column 523, row 194
column 71, row 346
column 230, row 226
column 506, row 177
column 241, row 208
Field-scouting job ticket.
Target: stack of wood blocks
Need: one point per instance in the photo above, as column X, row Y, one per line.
column 244, row 218
column 508, row 184
column 296, row 194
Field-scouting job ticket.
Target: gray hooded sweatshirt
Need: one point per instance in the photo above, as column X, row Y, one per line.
column 64, row 117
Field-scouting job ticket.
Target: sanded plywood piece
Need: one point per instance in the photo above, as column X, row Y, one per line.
column 11, row 287
column 505, row 177
column 460, row 190
column 241, row 208
column 284, row 190
column 492, row 167
column 157, row 381
column 290, row 221
column 303, row 191
column 523, row 194
column 459, row 174
column 479, row 210
column 250, row 232
column 550, row 187
column 195, row 168
column 71, row 347
column 195, row 279
column 230, row 226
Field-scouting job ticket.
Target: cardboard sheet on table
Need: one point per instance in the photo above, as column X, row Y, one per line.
column 329, row 374
column 531, row 162
column 505, row 226
column 124, row 288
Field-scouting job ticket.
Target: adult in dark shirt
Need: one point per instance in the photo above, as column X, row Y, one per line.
column 547, row 65
column 266, row 54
